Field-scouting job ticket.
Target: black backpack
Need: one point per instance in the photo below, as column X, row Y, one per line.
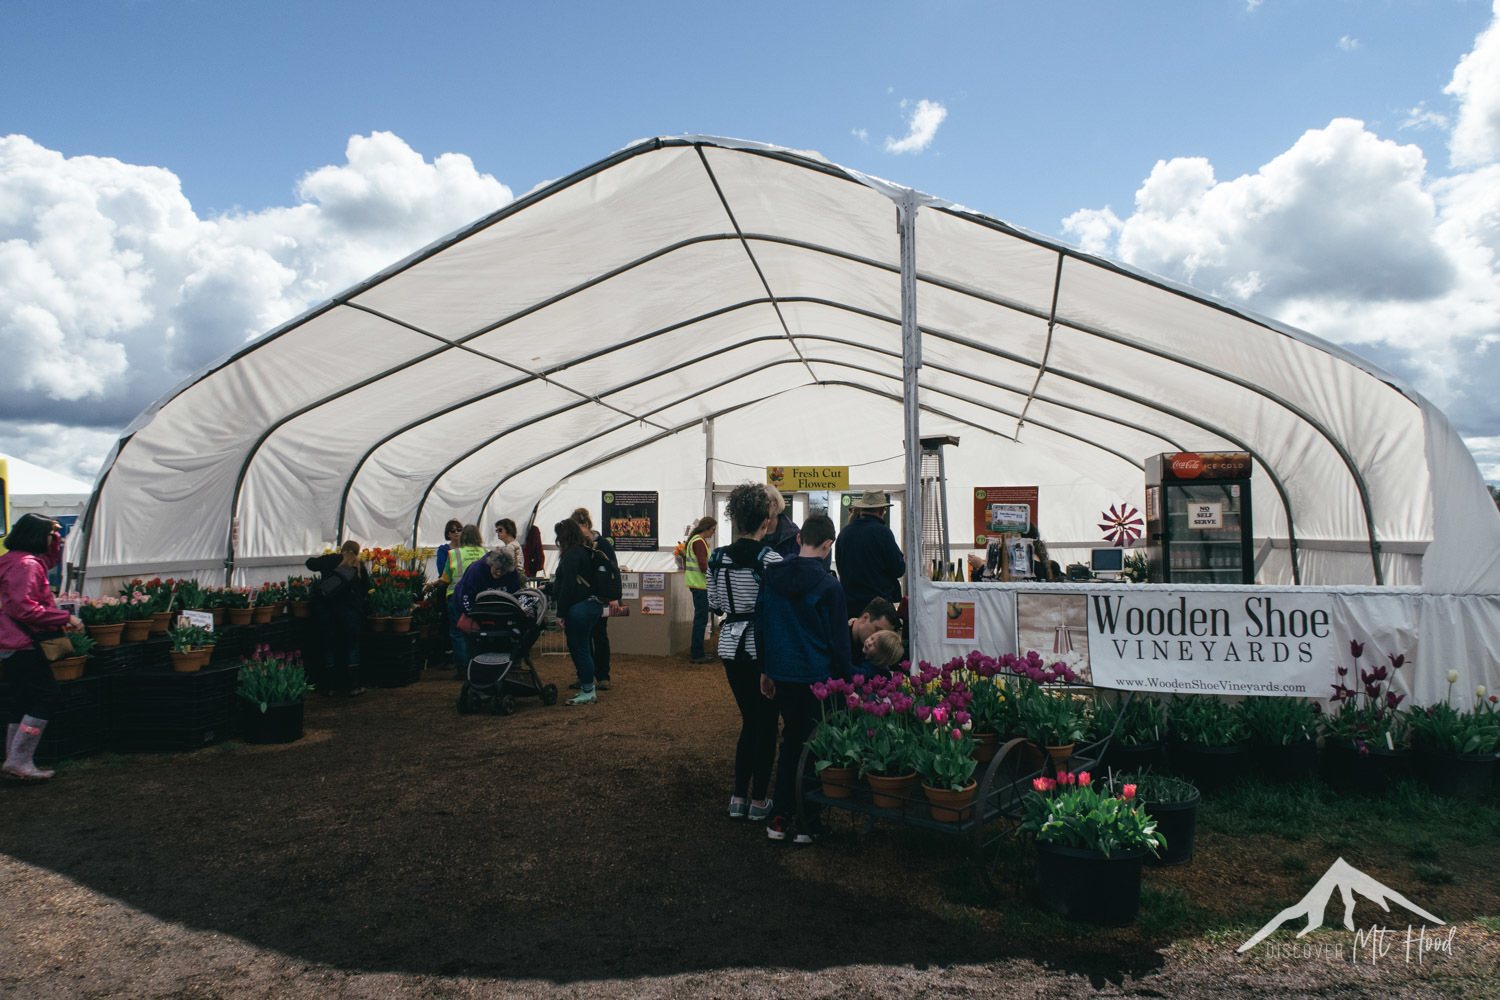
column 604, row 576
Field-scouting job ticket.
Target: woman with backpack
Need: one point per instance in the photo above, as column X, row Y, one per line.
column 342, row 585
column 579, row 610
column 695, row 575
column 734, row 575
column 470, row 549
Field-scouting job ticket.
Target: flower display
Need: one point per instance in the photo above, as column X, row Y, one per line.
column 267, row 678
column 1076, row 811
column 1368, row 717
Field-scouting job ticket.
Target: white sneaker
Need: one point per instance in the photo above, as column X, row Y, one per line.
column 582, row 698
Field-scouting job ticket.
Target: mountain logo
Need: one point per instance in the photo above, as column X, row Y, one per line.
column 1349, row 881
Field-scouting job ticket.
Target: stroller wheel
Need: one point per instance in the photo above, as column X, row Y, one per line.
column 549, row 694
column 465, row 702
column 504, row 704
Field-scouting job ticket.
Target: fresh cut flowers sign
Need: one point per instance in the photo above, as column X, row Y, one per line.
column 1159, row 639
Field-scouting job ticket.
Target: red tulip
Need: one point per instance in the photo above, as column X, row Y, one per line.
column 1085, row 779
column 1128, row 792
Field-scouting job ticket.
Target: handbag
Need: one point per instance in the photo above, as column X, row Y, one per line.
column 53, row 646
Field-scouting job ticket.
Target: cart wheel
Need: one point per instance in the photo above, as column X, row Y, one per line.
column 465, row 706
column 549, row 694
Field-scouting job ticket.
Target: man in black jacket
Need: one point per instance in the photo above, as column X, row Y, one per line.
column 341, row 609
column 869, row 561
column 601, row 631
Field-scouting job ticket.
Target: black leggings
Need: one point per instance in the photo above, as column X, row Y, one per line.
column 757, row 743
column 800, row 712
column 601, row 650
column 33, row 691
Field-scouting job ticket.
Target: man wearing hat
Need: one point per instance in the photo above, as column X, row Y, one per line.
column 870, row 563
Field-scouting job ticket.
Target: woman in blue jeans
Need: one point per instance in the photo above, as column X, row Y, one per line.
column 577, row 607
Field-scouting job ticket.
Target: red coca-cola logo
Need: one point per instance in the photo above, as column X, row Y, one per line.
column 1187, row 465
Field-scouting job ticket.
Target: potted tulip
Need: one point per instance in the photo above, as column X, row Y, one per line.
column 1139, row 728
column 1051, row 720
column 945, row 760
column 835, row 743
column 272, row 689
column 104, row 618
column 1210, row 744
column 1366, row 736
column 1091, row 843
column 237, row 605
column 887, row 742
column 299, row 594
column 70, row 668
column 138, row 621
column 191, row 648
column 1283, row 736
column 1173, row 803
column 1456, row 749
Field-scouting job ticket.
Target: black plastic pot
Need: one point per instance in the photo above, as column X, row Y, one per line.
column 1292, row 762
column 1211, row 769
column 1374, row 772
column 1459, row 776
column 1123, row 759
column 1085, row 885
column 280, row 723
column 1178, row 823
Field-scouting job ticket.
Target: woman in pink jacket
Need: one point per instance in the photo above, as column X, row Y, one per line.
column 27, row 611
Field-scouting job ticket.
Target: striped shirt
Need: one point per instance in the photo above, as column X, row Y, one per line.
column 735, row 590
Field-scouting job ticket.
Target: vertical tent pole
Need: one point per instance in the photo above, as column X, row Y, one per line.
column 911, row 364
column 708, row 472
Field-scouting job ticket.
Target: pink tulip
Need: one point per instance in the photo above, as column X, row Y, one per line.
column 940, row 714
column 1128, row 792
column 1085, row 779
column 957, row 734
column 1042, row 784
column 1066, row 778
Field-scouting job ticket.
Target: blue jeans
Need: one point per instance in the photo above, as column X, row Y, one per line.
column 579, row 627
column 700, row 622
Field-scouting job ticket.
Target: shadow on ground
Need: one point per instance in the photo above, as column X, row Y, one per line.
column 559, row 843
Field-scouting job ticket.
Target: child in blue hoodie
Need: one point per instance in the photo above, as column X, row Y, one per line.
column 804, row 630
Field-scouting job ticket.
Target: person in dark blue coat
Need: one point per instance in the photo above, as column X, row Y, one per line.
column 869, row 561
column 805, row 637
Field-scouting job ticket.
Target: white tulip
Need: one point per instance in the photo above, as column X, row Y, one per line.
column 1480, row 692
column 1453, row 677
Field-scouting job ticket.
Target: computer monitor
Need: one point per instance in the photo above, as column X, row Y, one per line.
column 1110, row 560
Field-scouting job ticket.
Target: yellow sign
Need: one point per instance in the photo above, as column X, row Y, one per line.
column 800, row 478
column 4, row 497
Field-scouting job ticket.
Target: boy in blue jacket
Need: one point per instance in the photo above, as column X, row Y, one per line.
column 804, row 632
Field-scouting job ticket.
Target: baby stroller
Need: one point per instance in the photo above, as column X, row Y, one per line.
column 500, row 667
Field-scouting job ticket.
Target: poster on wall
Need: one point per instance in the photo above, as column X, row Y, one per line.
column 1003, row 510
column 653, row 604
column 1056, row 626
column 1154, row 639
column 628, row 519
column 630, row 586
column 960, row 623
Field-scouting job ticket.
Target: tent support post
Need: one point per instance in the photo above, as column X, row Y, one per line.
column 911, row 368
column 708, row 467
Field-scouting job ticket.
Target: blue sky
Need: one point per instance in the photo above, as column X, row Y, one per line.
column 1046, row 110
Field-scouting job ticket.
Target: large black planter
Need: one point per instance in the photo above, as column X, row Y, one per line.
column 279, row 723
column 1178, row 823
column 1085, row 885
column 1292, row 762
column 1211, row 768
column 1459, row 776
column 1373, row 772
column 1127, row 759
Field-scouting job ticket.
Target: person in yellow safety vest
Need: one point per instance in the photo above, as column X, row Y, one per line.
column 470, row 547
column 695, row 575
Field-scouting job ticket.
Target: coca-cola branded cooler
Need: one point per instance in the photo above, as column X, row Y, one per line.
column 1198, row 526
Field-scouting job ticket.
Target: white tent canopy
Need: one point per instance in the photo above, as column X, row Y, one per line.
column 580, row 337
column 37, row 490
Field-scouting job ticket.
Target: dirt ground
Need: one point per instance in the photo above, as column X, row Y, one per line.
column 402, row 850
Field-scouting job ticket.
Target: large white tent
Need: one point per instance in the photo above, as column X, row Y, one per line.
column 37, row 490
column 693, row 308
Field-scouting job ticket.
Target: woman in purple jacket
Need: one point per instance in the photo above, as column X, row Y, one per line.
column 27, row 611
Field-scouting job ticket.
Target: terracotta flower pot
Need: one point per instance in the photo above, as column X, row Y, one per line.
column 838, row 782
column 218, row 614
column 239, row 616
column 379, row 623
column 986, row 743
column 160, row 622
column 69, row 669
column 204, row 654
column 891, row 793
column 106, row 635
column 948, row 806
column 301, row 609
column 262, row 614
column 1061, row 755
column 401, row 623
column 137, row 630
column 185, row 662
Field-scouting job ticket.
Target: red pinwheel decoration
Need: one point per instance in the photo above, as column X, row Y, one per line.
column 1121, row 525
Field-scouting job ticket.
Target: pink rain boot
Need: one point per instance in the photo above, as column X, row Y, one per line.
column 18, row 762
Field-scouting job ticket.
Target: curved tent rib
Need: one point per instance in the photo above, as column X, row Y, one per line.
column 814, row 236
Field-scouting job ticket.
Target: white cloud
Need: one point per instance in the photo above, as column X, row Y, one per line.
column 1252, row 5
column 1476, row 84
column 1421, row 118
column 862, row 134
column 113, row 290
column 1347, row 236
column 921, row 127
column 1348, row 43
